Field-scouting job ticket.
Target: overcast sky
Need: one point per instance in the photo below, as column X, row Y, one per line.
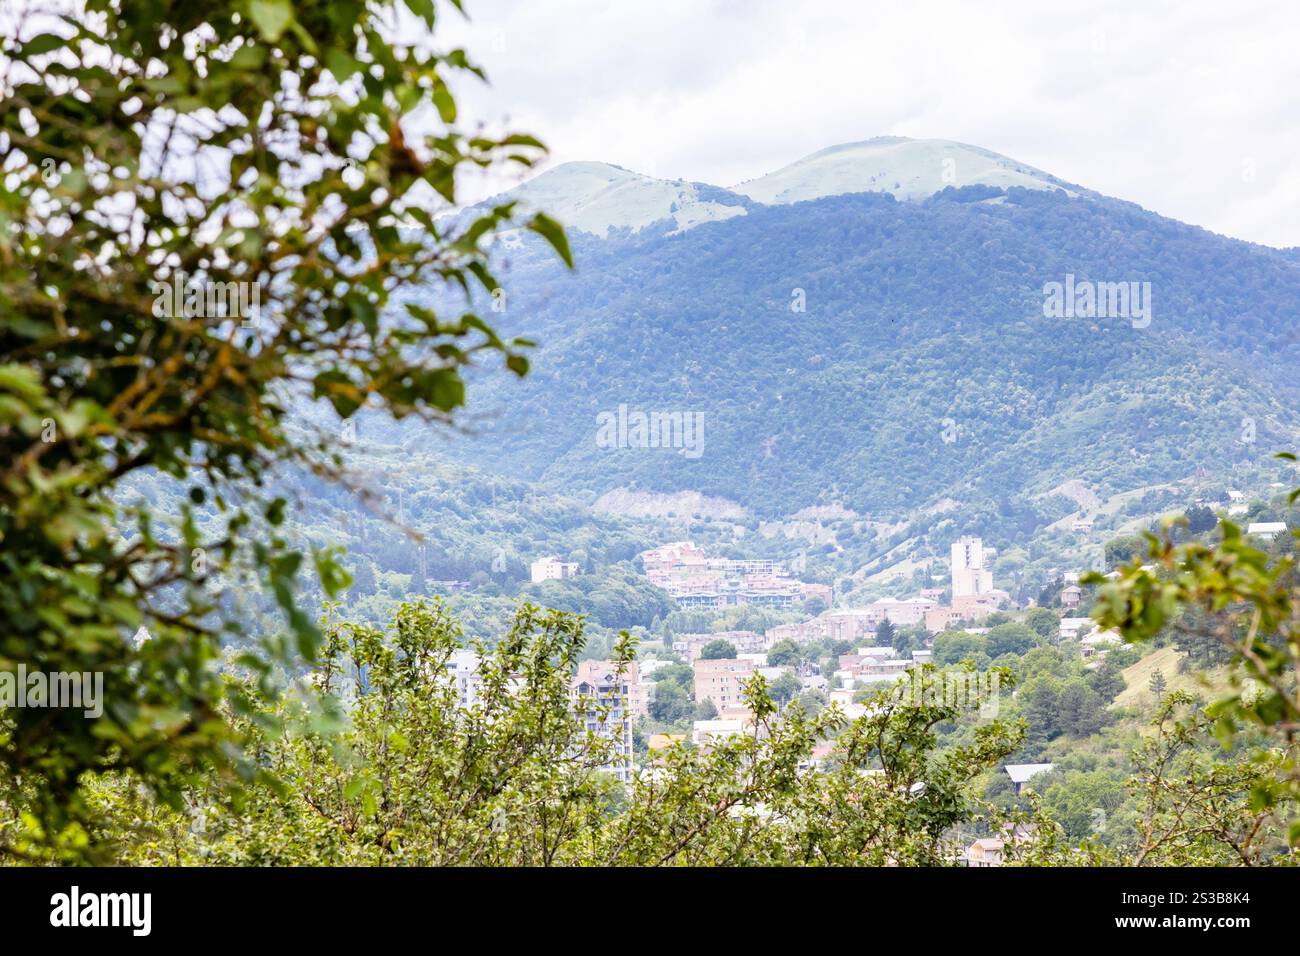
column 1190, row 109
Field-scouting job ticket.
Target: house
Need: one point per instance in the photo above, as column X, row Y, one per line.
column 991, row 851
column 1097, row 644
column 551, row 568
column 1071, row 596
column 904, row 613
column 1081, row 525
column 843, row 696
column 985, row 852
column 1266, row 529
column 824, row 592
column 1072, row 627
column 1020, row 773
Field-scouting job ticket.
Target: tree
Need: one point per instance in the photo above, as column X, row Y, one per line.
column 885, row 633
column 706, row 709
column 671, row 704
column 1040, row 701
column 953, row 646
column 785, row 688
column 1157, row 684
column 1122, row 550
column 413, row 777
column 1043, row 622
column 717, row 650
column 814, row 605
column 784, row 653
column 219, row 226
column 1229, row 591
column 1200, row 519
column 1080, row 711
column 1106, row 680
column 1010, row 638
column 1195, row 804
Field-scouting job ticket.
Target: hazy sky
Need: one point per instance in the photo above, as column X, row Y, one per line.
column 1190, row 109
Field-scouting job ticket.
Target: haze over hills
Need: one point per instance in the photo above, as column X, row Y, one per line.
column 855, row 330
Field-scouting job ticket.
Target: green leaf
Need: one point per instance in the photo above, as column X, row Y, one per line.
column 445, row 103
column 272, row 17
column 43, row 43
column 552, row 232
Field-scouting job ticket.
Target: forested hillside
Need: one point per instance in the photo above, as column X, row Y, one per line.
column 923, row 366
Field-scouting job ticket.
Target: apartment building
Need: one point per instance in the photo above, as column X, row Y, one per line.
column 463, row 668
column 745, row 642
column 602, row 694
column 969, row 574
column 722, row 681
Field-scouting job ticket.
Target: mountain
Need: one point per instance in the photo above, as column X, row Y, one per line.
column 607, row 200
column 599, row 198
column 904, row 168
column 891, row 357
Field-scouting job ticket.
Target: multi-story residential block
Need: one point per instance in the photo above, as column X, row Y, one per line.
column 463, row 668
column 745, row 642
column 694, row 580
column 722, row 681
column 904, row 613
column 602, row 696
column 969, row 575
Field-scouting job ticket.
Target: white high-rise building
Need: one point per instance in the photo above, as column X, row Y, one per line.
column 969, row 576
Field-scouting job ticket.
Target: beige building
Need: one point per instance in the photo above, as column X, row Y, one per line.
column 722, row 681
column 938, row 618
column 985, row 852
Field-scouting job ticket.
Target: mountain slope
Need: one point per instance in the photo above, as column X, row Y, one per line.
column 919, row 315
column 892, row 360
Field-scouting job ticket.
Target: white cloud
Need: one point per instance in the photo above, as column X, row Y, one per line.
column 1187, row 109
